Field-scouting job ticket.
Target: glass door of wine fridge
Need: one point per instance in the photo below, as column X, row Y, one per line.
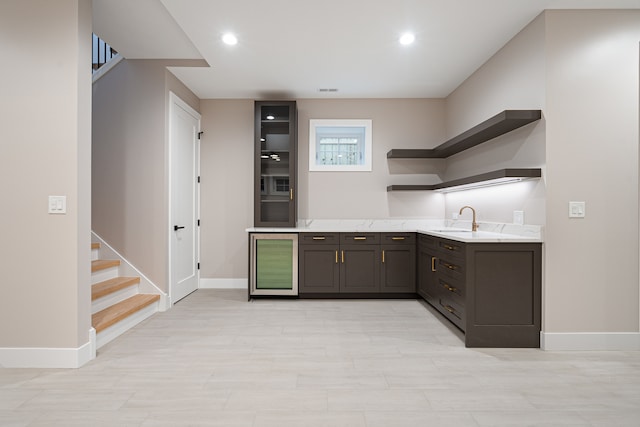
column 274, row 264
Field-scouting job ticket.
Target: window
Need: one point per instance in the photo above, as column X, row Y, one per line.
column 340, row 145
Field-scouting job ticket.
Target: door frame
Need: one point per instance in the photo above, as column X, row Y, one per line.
column 175, row 100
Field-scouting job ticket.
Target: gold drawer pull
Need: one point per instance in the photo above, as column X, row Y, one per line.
column 449, row 309
column 359, row 238
column 450, row 266
column 449, row 247
column 449, row 288
column 383, row 256
column 336, row 256
column 433, row 263
column 318, row 237
column 397, row 238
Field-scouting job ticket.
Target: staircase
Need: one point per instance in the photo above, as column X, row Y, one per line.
column 116, row 303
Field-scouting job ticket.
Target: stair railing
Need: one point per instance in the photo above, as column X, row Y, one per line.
column 102, row 53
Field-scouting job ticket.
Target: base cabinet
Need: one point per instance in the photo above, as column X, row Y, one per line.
column 491, row 291
column 351, row 264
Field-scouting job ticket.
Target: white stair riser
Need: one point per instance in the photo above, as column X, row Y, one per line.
column 113, row 298
column 114, row 331
column 102, row 275
column 95, row 254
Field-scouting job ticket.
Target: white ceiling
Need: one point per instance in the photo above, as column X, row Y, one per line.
column 292, row 48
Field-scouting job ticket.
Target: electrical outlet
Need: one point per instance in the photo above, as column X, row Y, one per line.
column 455, row 215
column 518, row 217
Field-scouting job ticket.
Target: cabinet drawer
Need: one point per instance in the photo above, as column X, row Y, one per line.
column 360, row 238
column 397, row 238
column 453, row 289
column 452, row 311
column 452, row 268
column 449, row 248
column 319, row 238
column 427, row 241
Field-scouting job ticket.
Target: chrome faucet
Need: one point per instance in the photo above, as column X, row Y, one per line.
column 474, row 224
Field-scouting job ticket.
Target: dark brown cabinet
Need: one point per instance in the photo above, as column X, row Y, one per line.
column 275, row 164
column 398, row 264
column 427, row 258
column 319, row 263
column 357, row 264
column 491, row 291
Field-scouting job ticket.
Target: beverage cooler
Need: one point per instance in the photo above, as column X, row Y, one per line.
column 273, row 269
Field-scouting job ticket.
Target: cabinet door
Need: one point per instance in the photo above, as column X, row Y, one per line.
column 398, row 268
column 359, row 268
column 427, row 273
column 319, row 268
column 275, row 164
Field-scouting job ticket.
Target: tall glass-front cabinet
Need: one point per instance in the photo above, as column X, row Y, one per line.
column 275, row 164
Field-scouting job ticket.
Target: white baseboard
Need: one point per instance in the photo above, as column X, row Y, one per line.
column 54, row 358
column 590, row 341
column 224, row 283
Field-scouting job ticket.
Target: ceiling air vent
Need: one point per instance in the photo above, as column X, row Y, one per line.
column 327, row 89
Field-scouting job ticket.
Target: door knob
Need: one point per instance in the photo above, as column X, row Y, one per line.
column 176, row 228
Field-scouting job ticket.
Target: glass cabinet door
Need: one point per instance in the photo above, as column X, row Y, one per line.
column 275, row 164
column 274, row 264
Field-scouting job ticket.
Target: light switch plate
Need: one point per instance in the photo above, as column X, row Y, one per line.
column 57, row 204
column 577, row 209
column 518, row 217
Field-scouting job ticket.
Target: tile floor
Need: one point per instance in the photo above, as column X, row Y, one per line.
column 217, row 360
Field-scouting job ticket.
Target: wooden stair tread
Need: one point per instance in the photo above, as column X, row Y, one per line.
column 95, row 245
column 102, row 264
column 109, row 316
column 112, row 285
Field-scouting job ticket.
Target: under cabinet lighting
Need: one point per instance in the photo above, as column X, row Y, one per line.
column 483, row 184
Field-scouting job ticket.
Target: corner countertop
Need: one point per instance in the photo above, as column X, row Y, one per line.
column 449, row 229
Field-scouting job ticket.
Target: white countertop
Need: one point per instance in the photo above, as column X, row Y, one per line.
column 448, row 229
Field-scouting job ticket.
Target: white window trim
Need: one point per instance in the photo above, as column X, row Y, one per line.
column 315, row 123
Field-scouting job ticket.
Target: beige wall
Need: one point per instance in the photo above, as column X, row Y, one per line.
column 227, row 172
column 45, row 150
column 514, row 78
column 130, row 198
column 592, row 156
column 226, row 196
column 397, row 123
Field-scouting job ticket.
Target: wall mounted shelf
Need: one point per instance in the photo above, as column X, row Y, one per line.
column 501, row 176
column 501, row 123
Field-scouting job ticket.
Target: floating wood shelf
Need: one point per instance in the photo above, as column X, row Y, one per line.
column 497, row 125
column 489, row 178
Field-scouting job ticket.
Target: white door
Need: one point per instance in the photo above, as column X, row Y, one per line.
column 184, row 165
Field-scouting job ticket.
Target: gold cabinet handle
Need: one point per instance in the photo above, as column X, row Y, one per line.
column 397, row 238
column 383, row 256
column 291, row 194
column 451, row 248
column 450, row 266
column 342, row 256
column 359, row 238
column 318, row 237
column 336, row 256
column 449, row 309
column 449, row 288
column 433, row 263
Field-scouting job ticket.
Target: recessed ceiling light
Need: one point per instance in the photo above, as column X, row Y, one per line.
column 270, row 117
column 230, row 39
column 407, row 38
